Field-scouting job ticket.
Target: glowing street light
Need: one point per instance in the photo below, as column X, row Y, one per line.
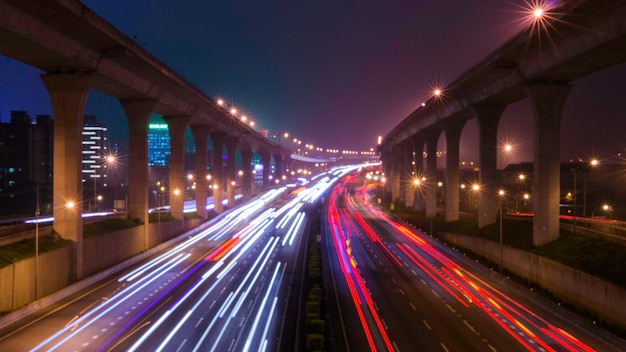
column 220, row 102
column 501, row 195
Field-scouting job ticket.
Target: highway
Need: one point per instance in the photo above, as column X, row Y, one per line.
column 395, row 289
column 234, row 286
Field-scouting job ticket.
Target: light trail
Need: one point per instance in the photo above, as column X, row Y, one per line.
column 530, row 331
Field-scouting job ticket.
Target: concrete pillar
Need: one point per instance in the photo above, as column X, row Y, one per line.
column 430, row 188
column 278, row 160
column 68, row 95
column 138, row 115
column 231, row 170
column 246, row 162
column 217, row 169
column 387, row 170
column 409, row 187
column 453, row 131
column 177, row 126
column 396, row 170
column 488, row 117
column 201, row 136
column 548, row 101
column 418, row 148
column 266, row 161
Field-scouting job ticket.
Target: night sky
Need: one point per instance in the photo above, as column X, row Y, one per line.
column 336, row 73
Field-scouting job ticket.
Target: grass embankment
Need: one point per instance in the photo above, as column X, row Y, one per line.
column 314, row 309
column 595, row 256
column 15, row 252
column 25, row 249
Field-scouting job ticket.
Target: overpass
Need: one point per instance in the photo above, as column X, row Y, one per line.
column 79, row 51
column 578, row 38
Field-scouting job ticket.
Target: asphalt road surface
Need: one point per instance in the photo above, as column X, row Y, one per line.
column 393, row 288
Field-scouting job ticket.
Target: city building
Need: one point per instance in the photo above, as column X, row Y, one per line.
column 95, row 151
column 158, row 144
column 25, row 164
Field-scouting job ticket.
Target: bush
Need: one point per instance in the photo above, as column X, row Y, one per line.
column 316, row 290
column 314, row 342
column 312, row 307
column 309, row 317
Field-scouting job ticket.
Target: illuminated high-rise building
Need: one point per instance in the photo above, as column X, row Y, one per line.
column 158, row 144
column 95, row 149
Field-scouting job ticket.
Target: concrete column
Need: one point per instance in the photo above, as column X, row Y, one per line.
column 246, row 162
column 138, row 115
column 548, row 101
column 409, row 187
column 266, row 161
column 177, row 126
column 418, row 148
column 488, row 117
column 387, row 170
column 453, row 131
column 231, row 170
column 218, row 171
column 68, row 95
column 278, row 160
column 201, row 136
column 430, row 188
column 396, row 179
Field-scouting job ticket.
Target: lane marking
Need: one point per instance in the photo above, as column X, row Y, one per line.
column 471, row 327
column 450, row 307
column 427, row 326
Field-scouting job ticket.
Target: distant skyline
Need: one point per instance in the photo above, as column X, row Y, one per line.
column 336, row 74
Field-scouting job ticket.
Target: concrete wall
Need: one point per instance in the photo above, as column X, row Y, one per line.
column 104, row 251
column 17, row 281
column 588, row 292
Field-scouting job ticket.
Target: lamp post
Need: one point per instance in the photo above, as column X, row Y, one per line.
column 37, row 240
column 500, row 194
column 177, row 193
column 604, row 208
column 593, row 162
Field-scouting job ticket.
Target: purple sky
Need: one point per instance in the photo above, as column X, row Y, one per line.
column 336, row 73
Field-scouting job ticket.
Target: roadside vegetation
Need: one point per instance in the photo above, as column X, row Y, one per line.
column 314, row 324
column 108, row 225
column 595, row 256
column 15, row 252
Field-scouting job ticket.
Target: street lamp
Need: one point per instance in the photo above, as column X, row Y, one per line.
column 501, row 195
column 604, row 208
column 177, row 192
column 592, row 163
column 68, row 205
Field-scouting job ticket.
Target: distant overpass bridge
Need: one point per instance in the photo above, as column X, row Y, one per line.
column 583, row 37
